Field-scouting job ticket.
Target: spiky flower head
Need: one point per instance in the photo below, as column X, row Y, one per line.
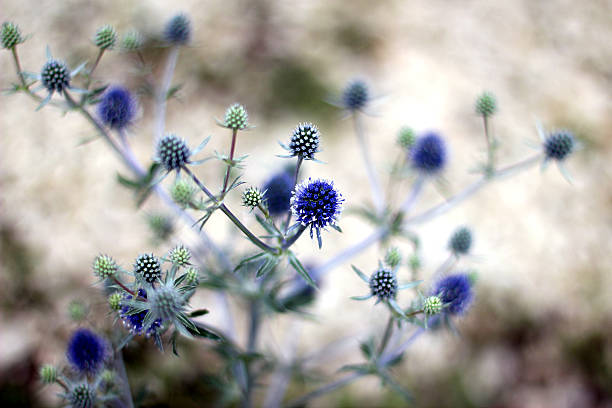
column 166, row 302
column 406, row 137
column 55, row 75
column 317, row 204
column 432, row 305
column 193, row 277
column 252, row 197
column 304, row 141
column 148, row 267
column 135, row 321
column 117, row 107
column 161, row 225
column 183, row 192
column 82, row 396
column 383, row 284
column 132, row 40
column 86, row 351
column 172, row 152
column 486, row 104
column 48, row 374
column 393, row 257
column 10, row 35
column 114, row 301
column 559, row 144
column 278, row 193
column 178, row 30
column 104, row 267
column 236, row 117
column 429, row 153
column 106, row 37
column 461, row 241
column 355, row 95
column 180, row 256
column 456, row 293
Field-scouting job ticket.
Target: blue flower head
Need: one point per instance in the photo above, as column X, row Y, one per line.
column 558, row 145
column 178, row 30
column 55, row 76
column 117, row 107
column 355, row 95
column 172, row 152
column 456, row 293
column 278, row 193
column 428, row 154
column 316, row 203
column 135, row 321
column 86, row 351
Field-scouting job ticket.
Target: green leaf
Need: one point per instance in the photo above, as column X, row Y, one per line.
column 359, row 368
column 198, row 312
column 299, row 268
column 172, row 91
column 361, row 274
column 200, row 331
column 245, row 261
column 173, row 342
column 268, row 265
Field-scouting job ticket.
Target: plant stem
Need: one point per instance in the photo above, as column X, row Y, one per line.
column 162, row 93
column 230, row 215
column 24, row 84
column 300, row 159
column 386, row 336
column 377, row 195
column 414, row 194
column 118, row 282
column 301, row 401
column 294, row 237
column 490, row 157
column 254, row 323
column 124, row 384
column 231, row 161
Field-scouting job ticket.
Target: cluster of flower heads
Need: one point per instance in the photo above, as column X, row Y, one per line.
column 317, row 204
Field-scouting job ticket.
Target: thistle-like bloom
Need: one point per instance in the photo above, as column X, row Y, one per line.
column 456, row 293
column 10, row 35
column 104, row 267
column 383, row 284
column 132, row 40
column 432, row 305
column 114, row 301
column 304, row 141
column 486, row 105
column 252, row 197
column 236, row 117
column 180, row 256
column 55, row 76
column 317, row 204
column 148, row 267
column 428, row 154
column 166, row 303
column 183, row 192
column 172, row 152
column 393, row 257
column 86, row 351
column 355, row 95
column 406, row 137
column 558, row 145
column 117, row 107
column 461, row 241
column 178, row 30
column 106, row 37
column 82, row 396
column 278, row 193
column 135, row 321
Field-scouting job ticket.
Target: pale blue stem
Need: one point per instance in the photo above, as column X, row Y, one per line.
column 162, row 92
column 377, row 195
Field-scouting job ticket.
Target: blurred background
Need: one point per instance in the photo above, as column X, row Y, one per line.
column 540, row 331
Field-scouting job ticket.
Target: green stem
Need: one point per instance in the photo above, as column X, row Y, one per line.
column 24, row 84
column 377, row 194
column 386, row 335
column 231, row 161
column 295, row 179
column 294, row 237
column 490, row 154
column 301, row 402
column 230, row 215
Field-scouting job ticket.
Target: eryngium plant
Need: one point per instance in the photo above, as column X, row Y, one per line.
column 152, row 298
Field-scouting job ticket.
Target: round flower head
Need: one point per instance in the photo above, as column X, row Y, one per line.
column 355, row 95
column 558, row 145
column 461, row 241
column 432, row 305
column 316, row 203
column 172, row 152
column 10, row 35
column 106, row 37
column 183, row 192
column 180, row 256
column 486, row 105
column 178, row 30
column 82, row 396
column 117, row 107
column 193, row 277
column 132, row 40
column 55, row 75
column 278, row 193
column 393, row 257
column 166, row 302
column 429, row 153
column 455, row 291
column 406, row 137
column 161, row 225
column 252, row 197
column 86, row 351
column 383, row 284
column 114, row 301
column 147, row 267
column 304, row 141
column 236, row 117
column 104, row 266
column 48, row 374
column 135, row 321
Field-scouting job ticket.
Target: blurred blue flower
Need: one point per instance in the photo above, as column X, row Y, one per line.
column 278, row 193
column 428, row 154
column 117, row 107
column 86, row 351
column 355, row 95
column 178, row 30
column 456, row 293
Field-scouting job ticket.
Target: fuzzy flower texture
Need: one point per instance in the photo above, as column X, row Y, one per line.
column 456, row 293
column 117, row 107
column 316, row 203
column 429, row 153
column 86, row 351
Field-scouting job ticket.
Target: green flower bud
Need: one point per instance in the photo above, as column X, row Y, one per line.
column 114, row 301
column 252, row 197
column 108, row 376
column 180, row 256
column 432, row 305
column 406, row 137
column 104, row 267
column 77, row 311
column 393, row 257
column 48, row 374
column 106, row 37
column 236, row 117
column 10, row 35
column 193, row 277
column 486, row 105
column 132, row 40
column 182, row 192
